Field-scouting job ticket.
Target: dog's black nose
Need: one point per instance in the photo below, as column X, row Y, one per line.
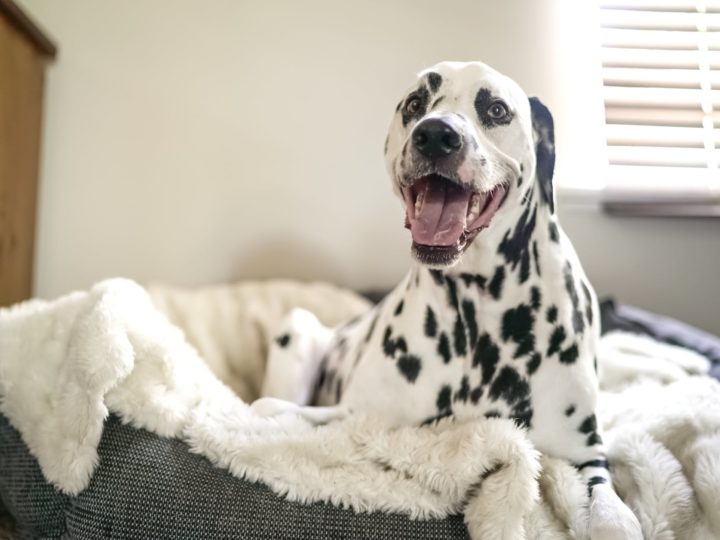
column 435, row 138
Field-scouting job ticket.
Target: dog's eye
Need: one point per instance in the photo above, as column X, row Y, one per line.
column 498, row 110
column 413, row 105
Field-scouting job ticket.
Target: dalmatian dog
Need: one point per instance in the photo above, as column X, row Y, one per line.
column 495, row 317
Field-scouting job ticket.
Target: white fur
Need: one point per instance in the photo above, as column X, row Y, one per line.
column 65, row 364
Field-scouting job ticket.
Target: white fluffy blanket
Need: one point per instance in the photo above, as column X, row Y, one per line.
column 64, row 364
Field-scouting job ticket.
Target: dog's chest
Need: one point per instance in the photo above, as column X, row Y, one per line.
column 441, row 345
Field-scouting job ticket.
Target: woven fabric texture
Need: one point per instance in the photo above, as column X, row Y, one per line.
column 152, row 487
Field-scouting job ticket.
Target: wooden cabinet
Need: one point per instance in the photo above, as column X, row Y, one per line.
column 24, row 53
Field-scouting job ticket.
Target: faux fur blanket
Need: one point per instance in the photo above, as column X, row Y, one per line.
column 64, row 364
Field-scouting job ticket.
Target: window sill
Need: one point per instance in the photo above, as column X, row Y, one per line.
column 648, row 203
column 679, row 209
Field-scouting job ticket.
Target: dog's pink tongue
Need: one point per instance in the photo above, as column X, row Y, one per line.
column 441, row 218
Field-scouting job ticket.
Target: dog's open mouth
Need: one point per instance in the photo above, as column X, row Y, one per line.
column 444, row 217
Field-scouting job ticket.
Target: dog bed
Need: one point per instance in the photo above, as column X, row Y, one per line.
column 113, row 426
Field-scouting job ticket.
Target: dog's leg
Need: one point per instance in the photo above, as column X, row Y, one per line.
column 293, row 366
column 610, row 518
column 295, row 358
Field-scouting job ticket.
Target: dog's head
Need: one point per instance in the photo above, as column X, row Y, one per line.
column 464, row 145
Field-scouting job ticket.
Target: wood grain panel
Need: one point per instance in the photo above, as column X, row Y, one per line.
column 21, row 90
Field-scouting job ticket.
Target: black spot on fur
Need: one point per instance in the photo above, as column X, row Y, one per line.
column 434, row 81
column 468, row 309
column 476, row 394
column 435, row 419
column 569, row 355
column 470, row 279
column 528, row 197
column 452, row 293
column 570, row 410
column 483, row 100
column 459, row 337
column 509, row 386
column 496, row 283
column 430, row 323
column 443, row 347
column 517, row 325
column 553, row 232
column 525, row 347
column 556, row 338
column 578, row 323
column 464, row 391
column 594, row 481
column 536, row 256
column 443, row 401
column 391, row 345
column 515, row 248
column 588, row 425
column 535, row 298
column 493, row 414
column 519, row 181
column 409, row 365
column 283, row 340
column 543, row 126
column 534, row 363
column 593, row 439
column 399, row 308
column 421, row 94
column 601, row 463
column 487, row 356
column 438, row 277
column 588, row 302
column 552, row 314
column 522, row 413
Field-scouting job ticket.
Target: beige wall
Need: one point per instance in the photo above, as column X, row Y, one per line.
column 195, row 142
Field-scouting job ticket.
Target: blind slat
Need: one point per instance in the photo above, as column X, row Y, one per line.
column 665, row 78
column 658, row 156
column 670, row 179
column 665, row 97
column 657, row 39
column 711, row 6
column 658, row 20
column 655, row 58
column 635, row 135
column 658, row 116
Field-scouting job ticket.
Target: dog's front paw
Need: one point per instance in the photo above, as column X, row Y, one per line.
column 610, row 518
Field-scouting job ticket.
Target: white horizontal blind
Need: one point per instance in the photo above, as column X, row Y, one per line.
column 661, row 77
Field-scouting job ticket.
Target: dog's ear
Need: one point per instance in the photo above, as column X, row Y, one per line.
column 544, row 135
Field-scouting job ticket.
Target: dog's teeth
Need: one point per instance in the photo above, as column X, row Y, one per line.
column 419, row 201
column 474, row 210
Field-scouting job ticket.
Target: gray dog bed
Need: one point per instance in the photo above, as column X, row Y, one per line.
column 148, row 486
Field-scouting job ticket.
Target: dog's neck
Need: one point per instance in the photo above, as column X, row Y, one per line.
column 511, row 235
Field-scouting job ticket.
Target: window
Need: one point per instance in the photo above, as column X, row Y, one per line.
column 661, row 84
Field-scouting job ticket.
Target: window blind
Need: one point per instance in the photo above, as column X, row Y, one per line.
column 661, row 86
